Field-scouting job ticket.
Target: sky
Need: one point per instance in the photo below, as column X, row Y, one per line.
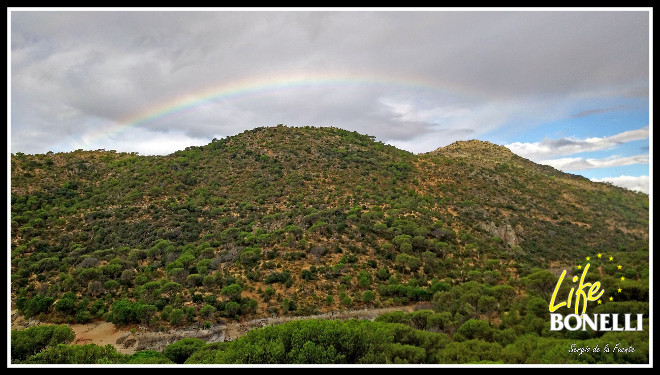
column 563, row 87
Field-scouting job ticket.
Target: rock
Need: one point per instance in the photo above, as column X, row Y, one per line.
column 129, row 342
column 505, row 232
column 122, row 338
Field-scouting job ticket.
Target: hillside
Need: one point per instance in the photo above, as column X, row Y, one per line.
column 285, row 220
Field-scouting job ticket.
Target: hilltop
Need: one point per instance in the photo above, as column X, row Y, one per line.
column 284, row 220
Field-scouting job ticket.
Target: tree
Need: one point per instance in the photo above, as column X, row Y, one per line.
column 249, row 257
column 368, row 297
column 269, row 292
column 474, row 329
column 111, row 286
column 487, row 304
column 364, row 279
column 232, row 308
column 36, row 305
column 194, row 279
column 471, row 351
column 176, row 316
column 408, row 263
column 207, row 311
column 122, row 312
column 504, row 294
column 77, row 354
column 179, row 351
column 32, row 340
column 171, row 288
column 232, row 292
column 383, row 274
column 67, row 303
column 345, row 299
column 144, row 312
column 127, row 277
column 148, row 357
column 542, row 282
column 430, row 263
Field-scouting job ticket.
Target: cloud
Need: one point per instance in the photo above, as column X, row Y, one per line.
column 568, row 146
column 467, row 73
column 577, row 164
column 142, row 141
column 635, row 183
column 590, row 112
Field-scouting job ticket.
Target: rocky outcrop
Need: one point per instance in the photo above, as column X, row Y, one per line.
column 504, row 232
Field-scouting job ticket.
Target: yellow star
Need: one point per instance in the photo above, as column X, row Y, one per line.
column 622, row 278
column 611, row 259
column 579, row 266
column 618, row 290
column 600, row 255
column 619, row 266
column 611, row 298
column 588, row 258
column 599, row 302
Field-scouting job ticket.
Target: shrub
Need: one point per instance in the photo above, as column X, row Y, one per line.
column 179, row 351
column 29, row 341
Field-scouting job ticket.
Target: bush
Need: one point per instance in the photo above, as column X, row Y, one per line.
column 122, row 312
column 67, row 303
column 78, row 354
column 327, row 342
column 233, row 291
column 207, row 311
column 176, row 316
column 471, row 351
column 148, row 357
column 29, row 341
column 474, row 329
column 38, row 304
column 179, row 351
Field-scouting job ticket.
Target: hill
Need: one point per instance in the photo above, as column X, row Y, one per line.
column 288, row 220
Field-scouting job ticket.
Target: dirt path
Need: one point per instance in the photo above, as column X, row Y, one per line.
column 142, row 338
column 99, row 333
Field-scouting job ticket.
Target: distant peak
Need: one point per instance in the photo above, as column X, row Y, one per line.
column 473, row 147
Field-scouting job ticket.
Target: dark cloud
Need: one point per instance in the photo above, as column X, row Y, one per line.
column 476, row 71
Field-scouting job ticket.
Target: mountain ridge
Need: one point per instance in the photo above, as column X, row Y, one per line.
column 313, row 216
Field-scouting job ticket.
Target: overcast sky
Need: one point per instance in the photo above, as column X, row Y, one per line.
column 565, row 88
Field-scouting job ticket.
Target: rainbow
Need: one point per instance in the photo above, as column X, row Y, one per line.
column 260, row 85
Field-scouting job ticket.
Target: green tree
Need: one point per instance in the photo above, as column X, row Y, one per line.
column 474, row 329
column 67, row 303
column 178, row 352
column 144, row 357
column 542, row 282
column 368, row 297
column 32, row 340
column 232, row 308
column 408, row 263
column 471, row 351
column 232, row 292
column 77, row 354
column 122, row 312
column 207, row 311
column 176, row 316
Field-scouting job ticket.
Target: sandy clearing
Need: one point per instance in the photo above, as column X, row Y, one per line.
column 99, row 333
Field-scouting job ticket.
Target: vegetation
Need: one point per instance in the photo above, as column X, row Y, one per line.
column 295, row 221
column 30, row 341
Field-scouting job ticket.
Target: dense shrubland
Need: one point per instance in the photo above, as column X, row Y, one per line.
column 283, row 220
